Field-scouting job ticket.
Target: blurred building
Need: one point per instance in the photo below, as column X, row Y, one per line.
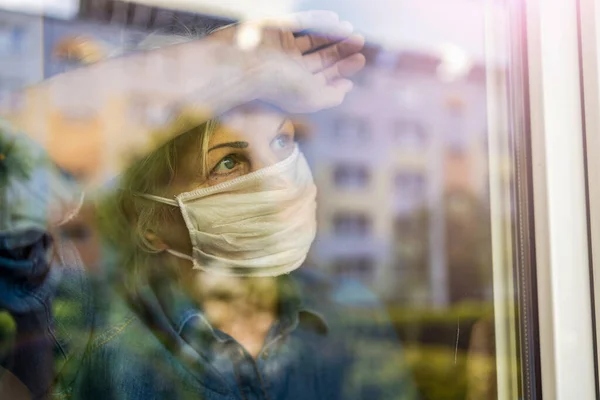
column 386, row 161
column 21, row 61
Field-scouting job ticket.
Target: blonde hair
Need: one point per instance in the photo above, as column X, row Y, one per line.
column 123, row 217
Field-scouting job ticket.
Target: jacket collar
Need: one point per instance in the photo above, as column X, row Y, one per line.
column 188, row 322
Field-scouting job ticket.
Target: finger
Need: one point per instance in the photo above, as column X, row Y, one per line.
column 330, row 78
column 351, row 45
column 344, row 69
column 328, row 56
column 279, row 38
column 323, row 23
column 351, row 65
column 342, row 85
column 332, row 94
column 309, row 41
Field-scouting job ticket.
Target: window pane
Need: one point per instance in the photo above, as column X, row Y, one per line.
column 409, row 134
column 245, row 225
column 350, row 176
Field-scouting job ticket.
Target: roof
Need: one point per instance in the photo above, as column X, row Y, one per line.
column 139, row 16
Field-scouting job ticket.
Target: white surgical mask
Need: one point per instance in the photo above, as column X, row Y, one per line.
column 260, row 224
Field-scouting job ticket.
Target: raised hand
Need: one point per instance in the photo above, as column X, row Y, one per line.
column 301, row 63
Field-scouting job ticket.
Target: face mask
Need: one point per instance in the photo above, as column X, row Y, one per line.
column 260, row 224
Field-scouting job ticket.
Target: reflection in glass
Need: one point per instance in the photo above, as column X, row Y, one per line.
column 414, row 174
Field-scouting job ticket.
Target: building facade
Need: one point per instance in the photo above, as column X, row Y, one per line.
column 385, row 162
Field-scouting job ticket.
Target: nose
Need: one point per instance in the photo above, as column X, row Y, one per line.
column 263, row 156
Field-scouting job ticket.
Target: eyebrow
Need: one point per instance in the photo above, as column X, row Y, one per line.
column 243, row 145
column 236, row 145
column 282, row 123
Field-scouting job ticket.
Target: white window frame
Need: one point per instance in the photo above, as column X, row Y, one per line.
column 589, row 19
column 559, row 192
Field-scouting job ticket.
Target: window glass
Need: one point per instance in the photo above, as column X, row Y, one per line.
column 11, row 39
column 350, row 130
column 357, row 268
column 409, row 134
column 410, row 187
column 284, row 213
column 351, row 224
column 351, row 176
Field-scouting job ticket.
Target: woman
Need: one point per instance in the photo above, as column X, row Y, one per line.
column 201, row 300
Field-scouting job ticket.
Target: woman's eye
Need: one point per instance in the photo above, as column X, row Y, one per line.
column 225, row 165
column 282, row 141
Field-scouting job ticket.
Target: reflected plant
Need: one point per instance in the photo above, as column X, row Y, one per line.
column 8, row 329
column 15, row 164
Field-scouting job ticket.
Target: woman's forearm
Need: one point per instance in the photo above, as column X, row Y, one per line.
column 196, row 80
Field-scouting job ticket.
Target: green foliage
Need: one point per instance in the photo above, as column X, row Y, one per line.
column 463, row 311
column 14, row 160
column 436, row 349
column 8, row 330
column 439, row 372
column 428, row 325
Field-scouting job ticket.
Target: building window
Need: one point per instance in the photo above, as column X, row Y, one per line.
column 351, row 224
column 409, row 134
column 351, row 176
column 410, row 184
column 18, row 39
column 11, row 39
column 411, row 242
column 456, row 136
column 407, row 226
column 361, row 268
column 351, row 130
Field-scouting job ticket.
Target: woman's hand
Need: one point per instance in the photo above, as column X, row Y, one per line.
column 292, row 64
column 301, row 64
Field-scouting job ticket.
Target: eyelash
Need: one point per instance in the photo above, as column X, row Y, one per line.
column 234, row 157
column 287, row 140
column 285, row 137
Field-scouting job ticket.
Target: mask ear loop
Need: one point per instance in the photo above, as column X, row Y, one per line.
column 146, row 245
column 159, row 199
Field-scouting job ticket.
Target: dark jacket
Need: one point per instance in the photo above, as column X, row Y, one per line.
column 155, row 344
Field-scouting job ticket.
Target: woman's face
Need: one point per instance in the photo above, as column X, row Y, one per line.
column 248, row 139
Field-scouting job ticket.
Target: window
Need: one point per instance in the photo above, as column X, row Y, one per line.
column 351, row 224
column 411, row 225
column 456, row 135
column 409, row 134
column 351, row 176
column 350, row 130
column 410, row 185
column 411, row 239
column 11, row 39
column 361, row 268
column 390, row 153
